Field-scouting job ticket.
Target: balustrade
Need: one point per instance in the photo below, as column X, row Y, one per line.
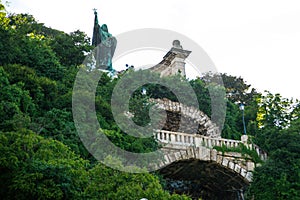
column 197, row 140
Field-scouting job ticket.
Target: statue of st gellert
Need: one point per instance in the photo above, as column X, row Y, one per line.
column 105, row 45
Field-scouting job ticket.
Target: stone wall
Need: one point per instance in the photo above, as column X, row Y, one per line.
column 182, row 118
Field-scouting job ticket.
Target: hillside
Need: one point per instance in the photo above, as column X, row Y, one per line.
column 42, row 156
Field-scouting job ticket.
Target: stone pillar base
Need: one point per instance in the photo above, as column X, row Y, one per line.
column 244, row 138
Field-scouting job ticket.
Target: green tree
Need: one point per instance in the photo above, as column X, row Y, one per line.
column 72, row 48
column 16, row 105
column 59, row 125
column 279, row 177
column 202, row 95
column 106, row 183
column 237, row 89
column 43, row 90
column 36, row 168
column 274, row 111
column 24, row 46
column 25, row 24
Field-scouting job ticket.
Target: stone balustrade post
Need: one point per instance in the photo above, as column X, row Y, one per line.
column 209, row 143
column 244, row 139
column 172, row 138
column 197, row 141
column 167, row 136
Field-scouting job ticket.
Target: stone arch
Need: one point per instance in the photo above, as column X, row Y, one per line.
column 206, row 154
column 182, row 118
column 205, row 168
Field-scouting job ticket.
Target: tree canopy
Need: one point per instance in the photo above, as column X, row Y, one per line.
column 42, row 156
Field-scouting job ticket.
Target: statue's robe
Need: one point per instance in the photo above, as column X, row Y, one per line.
column 105, row 45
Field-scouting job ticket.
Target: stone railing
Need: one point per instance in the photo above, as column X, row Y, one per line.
column 196, row 140
column 262, row 154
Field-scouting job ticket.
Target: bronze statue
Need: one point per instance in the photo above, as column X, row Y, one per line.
column 105, row 45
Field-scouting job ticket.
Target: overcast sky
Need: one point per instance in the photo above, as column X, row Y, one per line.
column 258, row 40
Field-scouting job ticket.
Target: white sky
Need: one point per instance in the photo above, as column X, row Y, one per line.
column 258, row 40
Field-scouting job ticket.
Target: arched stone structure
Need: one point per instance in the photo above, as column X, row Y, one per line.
column 204, row 172
column 182, row 118
column 182, row 146
column 205, row 179
column 191, row 158
column 234, row 166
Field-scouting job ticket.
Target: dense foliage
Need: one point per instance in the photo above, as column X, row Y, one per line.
column 42, row 156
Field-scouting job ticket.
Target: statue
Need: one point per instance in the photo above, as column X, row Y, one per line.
column 105, row 45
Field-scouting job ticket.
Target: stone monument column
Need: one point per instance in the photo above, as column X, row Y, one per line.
column 178, row 63
column 173, row 62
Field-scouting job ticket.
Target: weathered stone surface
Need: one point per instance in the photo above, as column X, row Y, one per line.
column 173, row 62
column 237, row 168
column 234, row 165
column 191, row 157
column 181, row 118
column 219, row 158
column 167, row 160
column 213, row 155
column 250, row 166
column 210, row 178
column 225, row 162
column 231, row 165
column 243, row 172
column 249, row 176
